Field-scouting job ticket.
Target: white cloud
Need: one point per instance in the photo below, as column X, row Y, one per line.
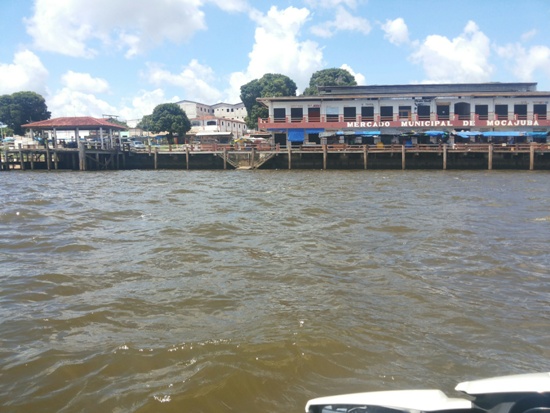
column 195, row 80
column 25, row 73
column 528, row 35
column 78, row 27
column 231, row 5
column 462, row 59
column 84, row 82
column 277, row 49
column 67, row 102
column 343, row 21
column 359, row 78
column 396, row 31
column 526, row 61
column 144, row 103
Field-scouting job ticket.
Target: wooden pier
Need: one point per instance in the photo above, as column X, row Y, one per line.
column 533, row 156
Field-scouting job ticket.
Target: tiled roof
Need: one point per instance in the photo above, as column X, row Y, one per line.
column 81, row 122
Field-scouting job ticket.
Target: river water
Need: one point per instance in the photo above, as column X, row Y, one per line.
column 240, row 291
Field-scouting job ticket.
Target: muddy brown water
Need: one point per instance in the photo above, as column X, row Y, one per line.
column 243, row 291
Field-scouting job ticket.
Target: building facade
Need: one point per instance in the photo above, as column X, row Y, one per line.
column 214, row 124
column 492, row 112
column 218, row 118
column 229, row 111
column 194, row 110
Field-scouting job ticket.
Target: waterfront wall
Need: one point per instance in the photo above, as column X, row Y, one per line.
column 526, row 157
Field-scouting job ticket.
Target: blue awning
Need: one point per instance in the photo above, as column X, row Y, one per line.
column 537, row 134
column 308, row 131
column 467, row 134
column 435, row 132
column 504, row 133
column 296, row 135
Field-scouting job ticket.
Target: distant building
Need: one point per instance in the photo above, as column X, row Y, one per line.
column 221, row 117
column 491, row 112
column 194, row 110
column 229, row 111
column 215, row 124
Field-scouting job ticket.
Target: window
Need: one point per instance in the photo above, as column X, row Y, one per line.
column 350, row 114
column 501, row 111
column 482, row 112
column 367, row 113
column 279, row 114
column 540, row 111
column 296, row 114
column 520, row 111
column 314, row 114
column 443, row 112
column 332, row 114
column 423, row 112
column 386, row 113
column 462, row 110
column 405, row 112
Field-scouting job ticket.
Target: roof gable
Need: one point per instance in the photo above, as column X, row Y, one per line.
column 71, row 123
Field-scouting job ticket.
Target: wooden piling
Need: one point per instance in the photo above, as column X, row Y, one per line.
column 532, row 156
column 325, row 154
column 444, row 157
column 155, row 158
column 289, row 149
column 403, row 157
column 490, row 157
column 48, row 158
column 187, row 157
column 365, row 155
column 81, row 156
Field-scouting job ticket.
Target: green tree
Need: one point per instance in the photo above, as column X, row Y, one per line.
column 21, row 108
column 117, row 122
column 329, row 77
column 171, row 118
column 269, row 85
column 145, row 123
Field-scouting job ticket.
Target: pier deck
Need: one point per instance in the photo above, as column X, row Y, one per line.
column 337, row 156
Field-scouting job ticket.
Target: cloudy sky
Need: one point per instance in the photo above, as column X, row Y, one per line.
column 123, row 57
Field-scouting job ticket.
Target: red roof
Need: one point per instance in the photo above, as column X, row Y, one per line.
column 71, row 123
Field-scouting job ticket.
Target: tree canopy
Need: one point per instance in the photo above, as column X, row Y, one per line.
column 117, row 122
column 171, row 118
column 329, row 77
column 269, row 85
column 145, row 123
column 21, row 108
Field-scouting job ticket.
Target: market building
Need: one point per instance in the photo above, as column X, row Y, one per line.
column 411, row 114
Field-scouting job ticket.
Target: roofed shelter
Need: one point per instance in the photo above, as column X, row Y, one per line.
column 77, row 124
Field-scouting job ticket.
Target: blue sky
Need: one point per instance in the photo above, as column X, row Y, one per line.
column 124, row 57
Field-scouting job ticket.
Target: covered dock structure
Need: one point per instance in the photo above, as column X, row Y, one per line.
column 102, row 147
